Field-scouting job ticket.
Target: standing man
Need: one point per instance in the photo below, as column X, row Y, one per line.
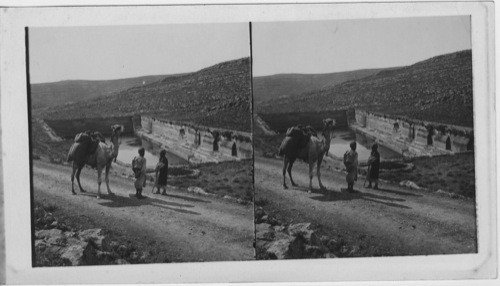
column 351, row 164
column 139, row 166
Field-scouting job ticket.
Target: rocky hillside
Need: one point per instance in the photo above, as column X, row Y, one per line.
column 69, row 91
column 218, row 96
column 438, row 89
column 285, row 85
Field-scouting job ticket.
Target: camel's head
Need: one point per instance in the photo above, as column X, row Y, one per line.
column 116, row 131
column 329, row 124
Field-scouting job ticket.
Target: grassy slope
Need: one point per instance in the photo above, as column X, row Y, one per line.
column 438, row 89
column 217, row 96
column 227, row 178
column 284, row 85
column 57, row 93
column 453, row 174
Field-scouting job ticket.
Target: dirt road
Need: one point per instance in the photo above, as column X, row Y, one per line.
column 386, row 222
column 184, row 227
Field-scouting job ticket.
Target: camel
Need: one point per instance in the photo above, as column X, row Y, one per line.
column 308, row 147
column 98, row 155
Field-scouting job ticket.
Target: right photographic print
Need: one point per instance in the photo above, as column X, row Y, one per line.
column 363, row 138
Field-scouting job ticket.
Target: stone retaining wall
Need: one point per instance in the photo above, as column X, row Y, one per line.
column 195, row 143
column 405, row 134
column 68, row 128
column 280, row 122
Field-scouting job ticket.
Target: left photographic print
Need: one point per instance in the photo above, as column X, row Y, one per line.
column 141, row 144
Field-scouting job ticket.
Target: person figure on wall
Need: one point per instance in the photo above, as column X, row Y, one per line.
column 448, row 142
column 139, row 166
column 161, row 173
column 351, row 164
column 234, row 149
column 373, row 167
column 216, row 136
column 396, row 127
column 430, row 140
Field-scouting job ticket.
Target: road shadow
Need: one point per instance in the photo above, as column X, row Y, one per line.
column 189, row 199
column 333, row 196
column 398, row 192
column 307, row 190
column 115, row 201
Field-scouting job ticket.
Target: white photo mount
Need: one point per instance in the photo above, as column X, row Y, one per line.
column 16, row 164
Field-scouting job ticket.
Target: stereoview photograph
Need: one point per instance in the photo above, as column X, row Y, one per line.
column 363, row 137
column 141, row 144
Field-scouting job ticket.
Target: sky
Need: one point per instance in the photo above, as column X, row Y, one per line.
column 345, row 45
column 114, row 52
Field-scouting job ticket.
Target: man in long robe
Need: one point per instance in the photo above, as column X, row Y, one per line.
column 140, row 181
column 351, row 164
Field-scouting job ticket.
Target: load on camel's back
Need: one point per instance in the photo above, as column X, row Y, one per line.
column 85, row 143
column 90, row 148
column 304, row 143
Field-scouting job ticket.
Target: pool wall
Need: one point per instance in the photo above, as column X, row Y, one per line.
column 195, row 143
column 280, row 122
column 405, row 134
column 70, row 127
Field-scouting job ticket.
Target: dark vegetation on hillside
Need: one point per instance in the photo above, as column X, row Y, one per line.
column 285, row 85
column 42, row 146
column 438, row 89
column 218, row 96
column 68, row 91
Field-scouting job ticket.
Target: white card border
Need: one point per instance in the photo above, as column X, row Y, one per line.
column 16, row 178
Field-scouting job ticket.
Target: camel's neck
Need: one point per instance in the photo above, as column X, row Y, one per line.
column 328, row 137
column 327, row 140
column 116, row 144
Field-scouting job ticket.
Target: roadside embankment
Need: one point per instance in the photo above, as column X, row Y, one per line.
column 57, row 244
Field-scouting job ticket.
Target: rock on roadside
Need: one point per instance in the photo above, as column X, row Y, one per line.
column 65, row 247
column 274, row 241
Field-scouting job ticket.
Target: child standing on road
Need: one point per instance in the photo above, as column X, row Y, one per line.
column 162, row 173
column 373, row 167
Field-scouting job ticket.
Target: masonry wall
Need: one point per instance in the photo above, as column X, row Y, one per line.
column 412, row 134
column 69, row 128
column 191, row 141
column 280, row 122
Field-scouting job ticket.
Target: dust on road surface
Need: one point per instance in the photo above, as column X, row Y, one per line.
column 189, row 227
column 386, row 222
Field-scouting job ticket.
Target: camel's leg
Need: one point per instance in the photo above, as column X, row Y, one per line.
column 290, row 165
column 99, row 171
column 285, row 163
column 78, row 171
column 311, row 169
column 318, row 170
column 73, row 178
column 107, row 178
